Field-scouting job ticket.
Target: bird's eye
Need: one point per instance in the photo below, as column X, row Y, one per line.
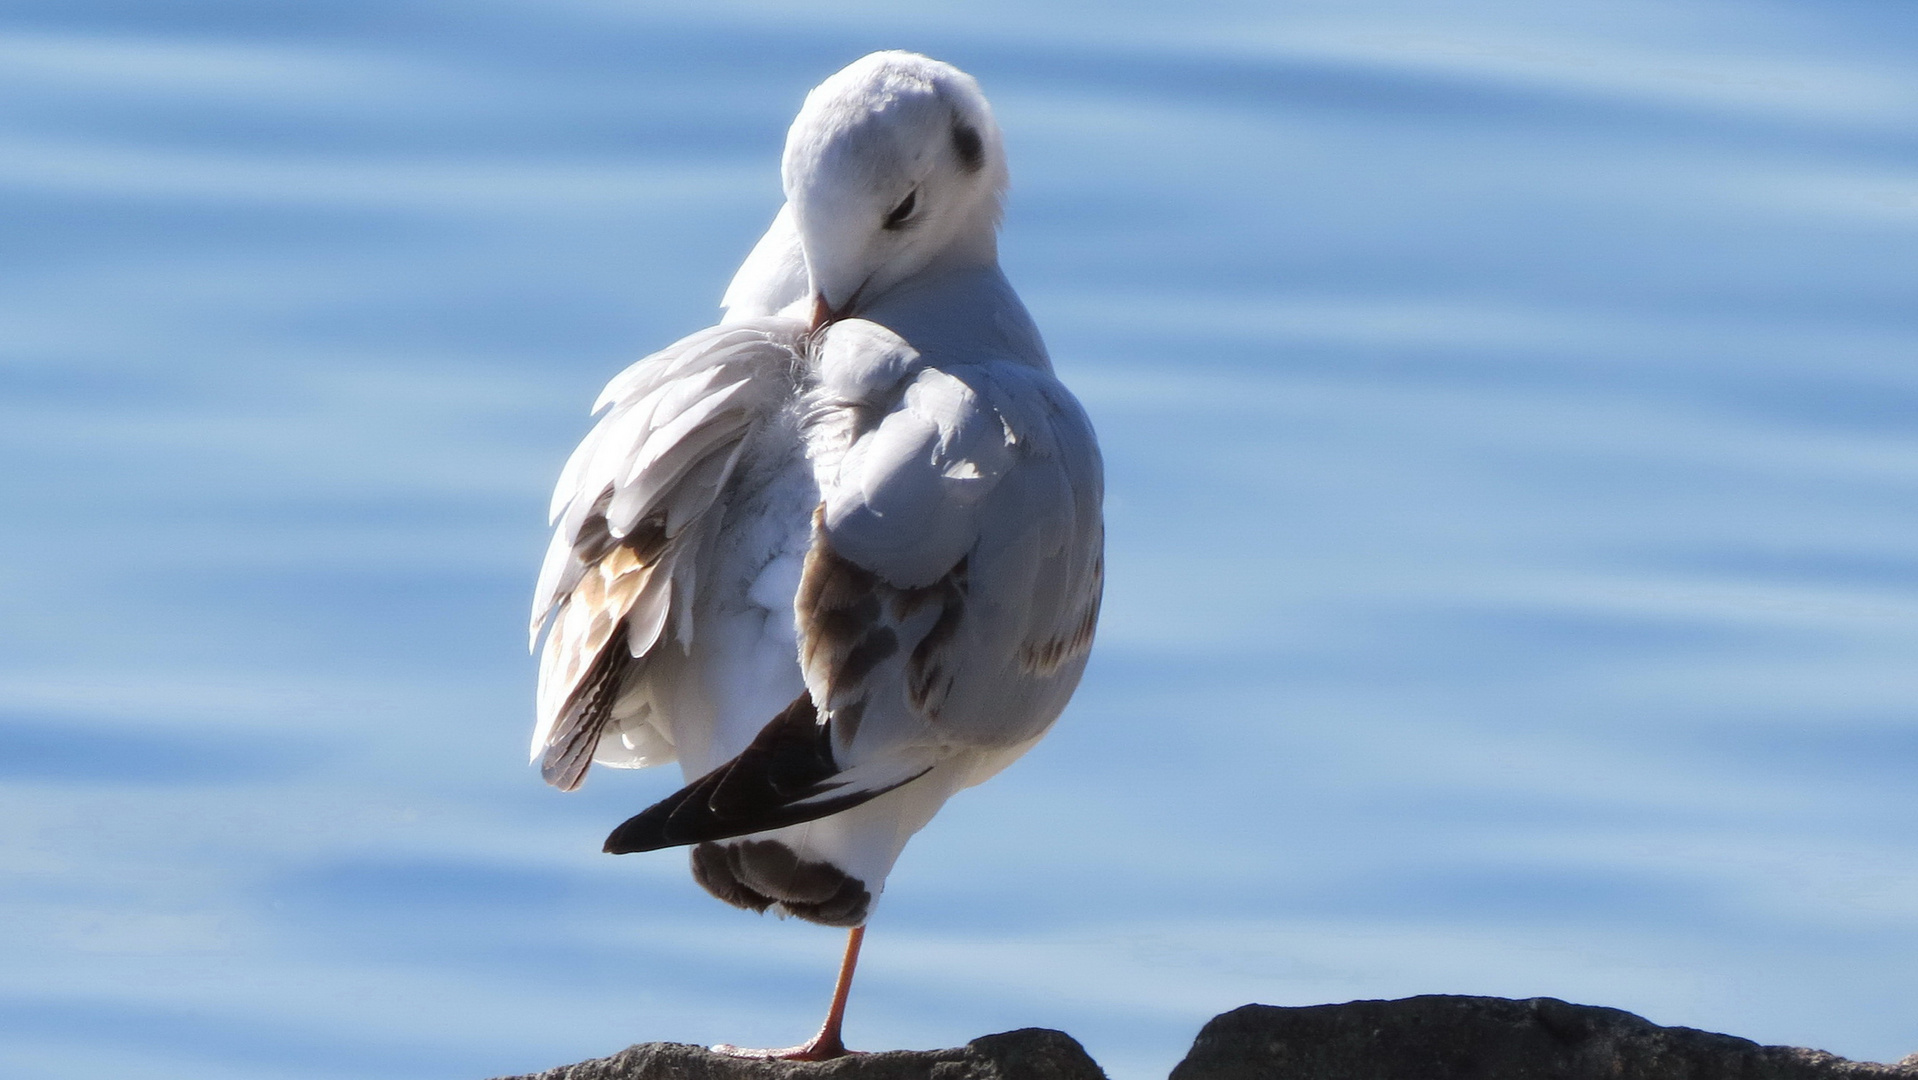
column 897, row 219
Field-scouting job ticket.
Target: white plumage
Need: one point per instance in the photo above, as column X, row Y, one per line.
column 840, row 556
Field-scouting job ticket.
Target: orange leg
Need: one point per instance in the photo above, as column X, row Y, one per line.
column 827, row 1044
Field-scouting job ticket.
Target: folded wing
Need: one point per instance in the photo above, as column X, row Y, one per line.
column 950, row 596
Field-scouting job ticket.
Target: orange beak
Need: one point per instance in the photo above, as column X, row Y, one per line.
column 823, row 315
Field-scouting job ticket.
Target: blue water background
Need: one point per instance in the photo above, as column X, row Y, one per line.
column 1511, row 417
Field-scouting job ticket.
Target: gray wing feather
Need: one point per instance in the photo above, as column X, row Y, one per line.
column 629, row 509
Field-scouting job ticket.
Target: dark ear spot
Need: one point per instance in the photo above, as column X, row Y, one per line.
column 966, row 143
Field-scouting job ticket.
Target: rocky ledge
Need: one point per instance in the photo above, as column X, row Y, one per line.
column 1444, row 1037
column 1436, row 1037
column 1026, row 1054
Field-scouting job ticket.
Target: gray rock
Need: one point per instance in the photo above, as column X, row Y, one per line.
column 1444, row 1037
column 1026, row 1054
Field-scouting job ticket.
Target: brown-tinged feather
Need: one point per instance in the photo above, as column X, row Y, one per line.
column 589, row 638
column 839, row 605
column 584, row 717
column 928, row 672
column 1048, row 655
column 851, row 616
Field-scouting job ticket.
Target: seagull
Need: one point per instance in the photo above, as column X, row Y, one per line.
column 840, row 555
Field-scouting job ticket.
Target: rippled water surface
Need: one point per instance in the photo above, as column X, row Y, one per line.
column 1511, row 417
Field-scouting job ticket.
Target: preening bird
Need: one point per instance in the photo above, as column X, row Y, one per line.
column 841, row 555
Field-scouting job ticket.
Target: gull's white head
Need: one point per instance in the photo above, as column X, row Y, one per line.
column 893, row 167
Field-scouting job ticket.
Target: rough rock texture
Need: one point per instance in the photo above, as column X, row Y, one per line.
column 1026, row 1054
column 1443, row 1037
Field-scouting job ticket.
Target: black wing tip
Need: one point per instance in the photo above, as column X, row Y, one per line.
column 671, row 823
column 786, row 777
column 621, row 842
column 643, row 831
